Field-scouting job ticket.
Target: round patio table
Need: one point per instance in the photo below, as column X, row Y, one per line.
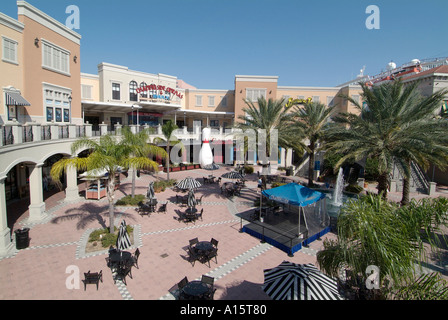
column 204, row 246
column 195, row 289
column 117, row 256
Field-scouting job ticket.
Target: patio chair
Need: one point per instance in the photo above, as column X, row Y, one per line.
column 193, row 256
column 199, row 215
column 122, row 272
column 199, row 200
column 135, row 258
column 214, row 242
column 182, row 283
column 144, row 209
column 208, row 280
column 210, row 255
column 219, row 181
column 206, row 180
column 92, row 278
column 163, row 208
column 193, row 242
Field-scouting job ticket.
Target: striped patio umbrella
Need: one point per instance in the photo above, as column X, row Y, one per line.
column 212, row 166
column 191, row 201
column 232, row 175
column 188, row 183
column 290, row 281
column 123, row 241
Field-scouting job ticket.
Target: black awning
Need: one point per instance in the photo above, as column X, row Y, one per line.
column 15, row 99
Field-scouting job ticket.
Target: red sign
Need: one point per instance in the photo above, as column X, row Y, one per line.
column 162, row 89
column 135, row 113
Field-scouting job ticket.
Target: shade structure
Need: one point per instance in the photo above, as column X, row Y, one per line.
column 232, row 175
column 294, row 194
column 188, row 183
column 123, row 241
column 150, row 194
column 290, row 281
column 191, row 200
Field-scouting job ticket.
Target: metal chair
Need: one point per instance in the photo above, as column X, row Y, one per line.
column 93, row 278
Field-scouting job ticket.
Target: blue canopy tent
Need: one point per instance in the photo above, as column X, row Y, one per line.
column 313, row 220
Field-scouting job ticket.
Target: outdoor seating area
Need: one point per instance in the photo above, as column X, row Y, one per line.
column 203, row 251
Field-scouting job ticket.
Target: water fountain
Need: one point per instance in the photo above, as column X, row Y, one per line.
column 337, row 194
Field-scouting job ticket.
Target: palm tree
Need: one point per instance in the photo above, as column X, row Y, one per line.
column 397, row 126
column 374, row 232
column 168, row 132
column 138, row 142
column 107, row 154
column 269, row 116
column 312, row 119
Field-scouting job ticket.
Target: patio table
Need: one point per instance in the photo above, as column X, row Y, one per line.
column 195, row 290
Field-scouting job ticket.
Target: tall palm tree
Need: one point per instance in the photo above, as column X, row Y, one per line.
column 397, row 126
column 312, row 119
column 138, row 142
column 375, row 232
column 168, row 132
column 272, row 115
column 107, row 154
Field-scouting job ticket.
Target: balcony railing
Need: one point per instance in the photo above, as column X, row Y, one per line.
column 15, row 133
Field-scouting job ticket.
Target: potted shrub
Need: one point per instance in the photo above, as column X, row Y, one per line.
column 175, row 168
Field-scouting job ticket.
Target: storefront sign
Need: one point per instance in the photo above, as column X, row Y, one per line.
column 160, row 92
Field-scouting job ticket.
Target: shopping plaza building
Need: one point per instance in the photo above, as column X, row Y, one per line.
column 46, row 103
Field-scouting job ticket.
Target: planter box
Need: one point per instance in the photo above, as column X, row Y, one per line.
column 174, row 169
column 197, row 166
column 190, row 167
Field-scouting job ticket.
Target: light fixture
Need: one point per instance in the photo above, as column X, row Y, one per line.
column 36, row 42
column 75, row 59
column 70, row 99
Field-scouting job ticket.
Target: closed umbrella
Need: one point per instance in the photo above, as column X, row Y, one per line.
column 188, row 183
column 290, row 281
column 151, row 193
column 123, row 241
column 191, row 201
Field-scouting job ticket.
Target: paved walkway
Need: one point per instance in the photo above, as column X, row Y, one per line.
column 48, row 268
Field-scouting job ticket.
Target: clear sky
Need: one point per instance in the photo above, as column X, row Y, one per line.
column 207, row 42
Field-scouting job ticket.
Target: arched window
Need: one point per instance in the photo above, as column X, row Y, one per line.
column 133, row 96
column 143, row 94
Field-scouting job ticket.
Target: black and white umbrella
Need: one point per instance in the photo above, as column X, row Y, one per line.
column 232, row 175
column 151, row 193
column 188, row 183
column 123, row 241
column 212, row 166
column 191, row 200
column 290, row 281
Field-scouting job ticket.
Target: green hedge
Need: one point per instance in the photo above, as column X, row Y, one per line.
column 107, row 239
column 130, row 201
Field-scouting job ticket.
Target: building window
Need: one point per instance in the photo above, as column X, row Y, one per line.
column 214, row 123
column 55, row 58
column 316, row 99
column 116, row 91
column 9, row 51
column 143, row 94
column 330, row 101
column 253, row 94
column 133, row 91
column 356, row 98
column 198, row 101
column 224, row 102
column 57, row 103
column 211, row 101
column 86, row 92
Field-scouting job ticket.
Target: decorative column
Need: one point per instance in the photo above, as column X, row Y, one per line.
column 37, row 206
column 103, row 129
column 5, row 233
column 72, row 190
